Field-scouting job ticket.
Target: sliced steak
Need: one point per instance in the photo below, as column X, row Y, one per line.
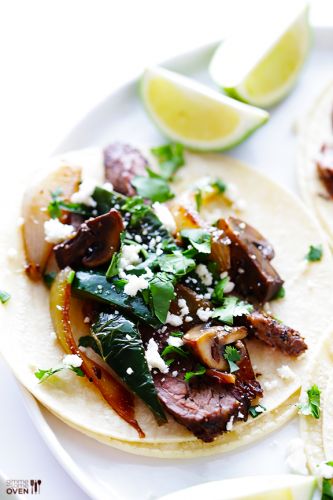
column 325, row 167
column 274, row 333
column 250, row 255
column 203, row 405
column 122, row 163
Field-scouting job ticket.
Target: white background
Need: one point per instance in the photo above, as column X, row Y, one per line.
column 58, row 59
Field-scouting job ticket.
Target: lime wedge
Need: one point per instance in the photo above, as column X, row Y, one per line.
column 279, row 487
column 261, row 65
column 194, row 115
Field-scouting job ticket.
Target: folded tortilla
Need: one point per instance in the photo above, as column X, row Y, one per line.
column 315, row 128
column 26, row 334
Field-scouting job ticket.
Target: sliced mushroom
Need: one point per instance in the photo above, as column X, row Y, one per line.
column 207, row 342
column 35, row 213
column 221, row 377
column 122, row 163
column 94, row 244
column 220, row 250
column 250, row 255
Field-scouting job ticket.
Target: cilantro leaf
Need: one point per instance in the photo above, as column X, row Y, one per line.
column 254, row 411
column 43, row 375
column 155, row 189
column 218, row 293
column 327, row 492
column 315, row 253
column 201, row 371
column 199, row 238
column 162, row 292
column 4, row 296
column 198, row 199
column 170, row 158
column 176, row 334
column 232, row 355
column 312, row 406
column 171, row 349
column 219, row 185
column 77, row 370
column 113, row 268
column 57, row 205
column 279, row 294
column 176, row 263
column 231, row 307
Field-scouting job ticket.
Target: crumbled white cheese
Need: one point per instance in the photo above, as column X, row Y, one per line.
column 230, row 424
column 85, row 192
column 129, row 256
column 270, row 384
column 173, row 319
column 204, row 314
column 56, row 232
column 229, row 286
column 108, row 187
column 285, row 372
column 134, row 284
column 154, row 359
column 259, row 409
column 240, row 415
column 138, row 238
column 174, row 373
column 296, row 458
column 188, row 319
column 165, row 216
column 325, row 470
column 72, row 360
column 129, row 371
column 204, row 274
column 86, row 319
column 184, row 310
column 175, row 341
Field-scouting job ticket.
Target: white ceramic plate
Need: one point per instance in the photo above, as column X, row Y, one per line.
column 103, row 472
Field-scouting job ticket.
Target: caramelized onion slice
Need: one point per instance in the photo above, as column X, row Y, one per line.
column 207, row 342
column 35, row 213
column 115, row 394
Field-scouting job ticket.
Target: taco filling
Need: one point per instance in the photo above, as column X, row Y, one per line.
column 148, row 299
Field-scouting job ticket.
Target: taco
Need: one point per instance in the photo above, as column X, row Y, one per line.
column 170, row 320
column 315, row 159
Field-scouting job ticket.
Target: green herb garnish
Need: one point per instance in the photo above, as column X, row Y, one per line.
column 57, row 205
column 198, row 199
column 327, row 491
column 4, row 296
column 113, row 268
column 218, row 293
column 219, row 185
column 171, row 349
column 201, row 371
column 315, row 253
column 279, row 294
column 312, row 406
column 254, row 412
column 176, row 263
column 162, row 292
column 170, row 158
column 43, row 375
column 232, row 355
column 155, row 189
column 176, row 334
column 199, row 239
column 231, row 307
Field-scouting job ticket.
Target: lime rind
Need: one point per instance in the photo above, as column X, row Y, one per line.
column 252, row 118
column 238, row 89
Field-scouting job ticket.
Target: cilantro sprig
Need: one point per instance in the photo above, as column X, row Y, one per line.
column 232, row 355
column 57, row 205
column 312, row 405
column 315, row 253
column 170, row 158
column 200, row 239
column 198, row 373
column 4, row 296
column 43, row 375
column 232, row 306
column 327, row 486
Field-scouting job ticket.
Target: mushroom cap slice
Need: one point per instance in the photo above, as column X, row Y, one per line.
column 207, row 343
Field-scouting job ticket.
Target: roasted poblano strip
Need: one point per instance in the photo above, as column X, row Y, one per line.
column 118, row 342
